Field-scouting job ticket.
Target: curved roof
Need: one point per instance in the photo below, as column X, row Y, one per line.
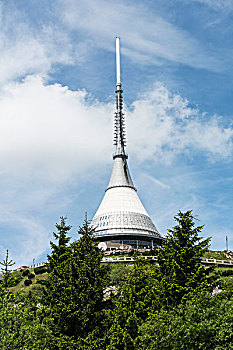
column 120, row 174
column 121, row 211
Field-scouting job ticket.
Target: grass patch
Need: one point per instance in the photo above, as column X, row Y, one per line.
column 34, row 288
column 119, row 272
column 219, row 255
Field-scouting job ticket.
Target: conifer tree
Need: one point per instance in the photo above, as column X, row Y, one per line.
column 59, row 250
column 88, row 278
column 59, row 254
column 136, row 297
column 177, row 277
column 6, row 271
column 75, row 291
column 21, row 324
column 179, row 259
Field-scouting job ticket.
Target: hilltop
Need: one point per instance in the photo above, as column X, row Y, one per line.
column 218, row 254
column 118, row 273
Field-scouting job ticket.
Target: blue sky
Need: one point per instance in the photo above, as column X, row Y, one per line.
column 57, row 86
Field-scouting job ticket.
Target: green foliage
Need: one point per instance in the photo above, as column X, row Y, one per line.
column 7, row 278
column 225, row 283
column 179, row 259
column 16, row 278
column 39, row 270
column 204, row 322
column 151, row 252
column 59, row 252
column 178, row 276
column 21, row 325
column 165, row 306
column 74, row 291
column 31, row 275
column 36, row 288
column 27, row 282
column 119, row 273
column 226, row 272
column 136, row 297
column 25, row 272
column 218, row 255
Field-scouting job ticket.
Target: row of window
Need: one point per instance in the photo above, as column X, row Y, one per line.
column 125, row 221
column 132, row 220
column 104, row 217
column 99, row 225
column 131, row 223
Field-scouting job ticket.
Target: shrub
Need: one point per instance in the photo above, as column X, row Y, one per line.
column 132, row 251
column 31, row 275
column 16, row 278
column 40, row 269
column 27, row 282
column 25, row 272
column 228, row 272
column 119, row 273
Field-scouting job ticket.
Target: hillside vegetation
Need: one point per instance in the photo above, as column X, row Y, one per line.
column 118, row 273
column 35, row 288
column 81, row 303
column 219, row 255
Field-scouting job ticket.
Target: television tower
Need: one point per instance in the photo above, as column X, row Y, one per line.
column 121, row 217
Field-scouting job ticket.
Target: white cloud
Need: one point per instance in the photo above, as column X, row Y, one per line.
column 51, row 136
column 26, row 49
column 162, row 126
column 148, row 38
column 30, row 244
column 49, row 129
column 53, row 132
column 222, row 5
column 157, row 182
column 76, row 29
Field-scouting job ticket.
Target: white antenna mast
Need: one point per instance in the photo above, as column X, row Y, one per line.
column 118, row 62
column 119, row 137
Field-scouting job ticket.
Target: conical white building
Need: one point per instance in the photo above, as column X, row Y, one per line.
column 121, row 217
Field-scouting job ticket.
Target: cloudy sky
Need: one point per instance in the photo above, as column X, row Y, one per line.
column 57, row 84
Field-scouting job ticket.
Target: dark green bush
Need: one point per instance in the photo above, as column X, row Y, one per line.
column 31, row 275
column 131, row 253
column 27, row 282
column 227, row 272
column 25, row 272
column 16, row 278
column 119, row 273
column 40, row 269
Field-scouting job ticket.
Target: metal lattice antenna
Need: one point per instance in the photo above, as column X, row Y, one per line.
column 119, row 132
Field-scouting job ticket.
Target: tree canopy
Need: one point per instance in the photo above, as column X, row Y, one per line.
column 167, row 305
column 6, row 271
column 179, row 259
column 75, row 286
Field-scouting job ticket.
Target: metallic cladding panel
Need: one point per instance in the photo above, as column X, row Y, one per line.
column 121, row 212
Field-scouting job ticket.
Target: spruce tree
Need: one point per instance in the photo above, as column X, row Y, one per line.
column 22, row 326
column 59, row 250
column 179, row 259
column 59, row 255
column 6, row 271
column 75, row 292
column 136, row 297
